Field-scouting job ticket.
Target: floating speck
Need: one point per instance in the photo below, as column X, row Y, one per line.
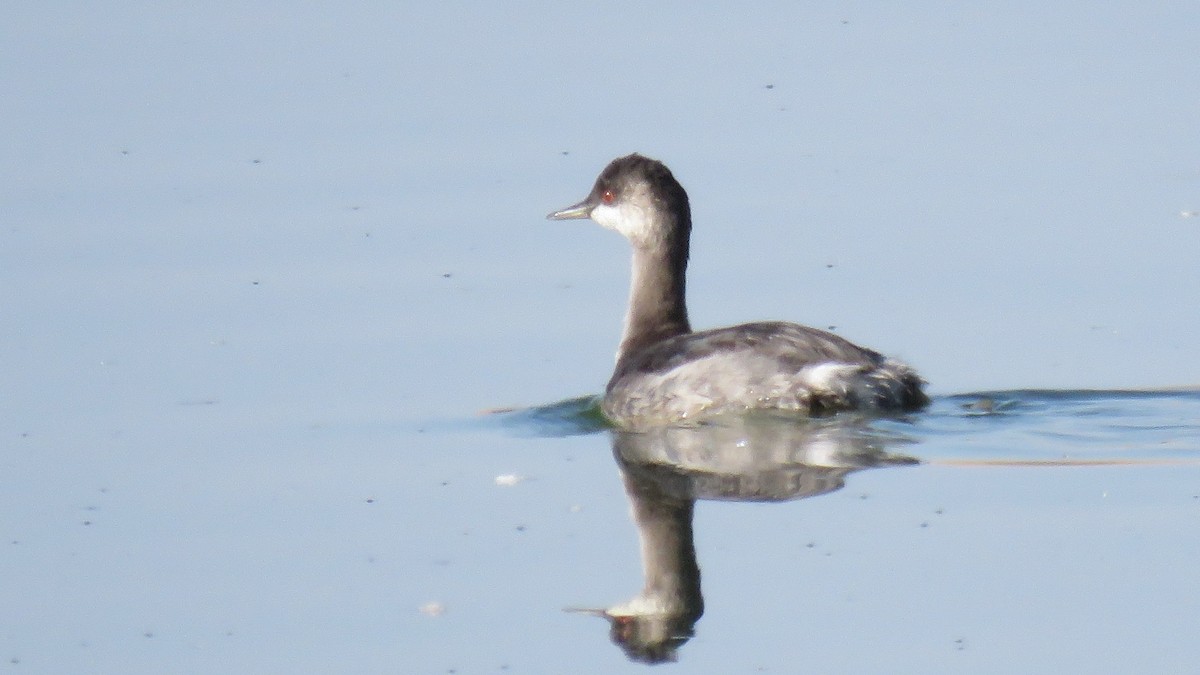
column 983, row 405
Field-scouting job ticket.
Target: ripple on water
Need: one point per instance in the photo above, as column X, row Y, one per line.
column 1064, row 426
column 1015, row 426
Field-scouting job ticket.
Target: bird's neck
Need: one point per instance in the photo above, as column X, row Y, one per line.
column 672, row 575
column 657, row 306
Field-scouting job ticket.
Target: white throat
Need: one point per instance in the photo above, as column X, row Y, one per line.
column 630, row 220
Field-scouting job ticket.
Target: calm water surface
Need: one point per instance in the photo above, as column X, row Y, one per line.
column 1000, row 530
column 262, row 268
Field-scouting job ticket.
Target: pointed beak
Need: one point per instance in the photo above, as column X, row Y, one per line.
column 603, row 613
column 581, row 210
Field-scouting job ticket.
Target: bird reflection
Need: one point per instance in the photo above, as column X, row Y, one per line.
column 757, row 458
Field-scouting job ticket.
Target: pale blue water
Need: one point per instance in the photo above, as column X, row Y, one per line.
column 263, row 268
column 996, row 532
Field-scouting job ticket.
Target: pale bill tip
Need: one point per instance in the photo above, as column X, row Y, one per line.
column 581, row 210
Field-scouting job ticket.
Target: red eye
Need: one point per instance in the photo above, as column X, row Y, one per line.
column 608, row 197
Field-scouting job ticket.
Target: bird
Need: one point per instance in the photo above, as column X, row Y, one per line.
column 666, row 373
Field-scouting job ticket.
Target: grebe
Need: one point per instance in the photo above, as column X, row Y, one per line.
column 666, row 373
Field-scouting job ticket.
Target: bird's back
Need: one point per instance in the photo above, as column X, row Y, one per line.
column 766, row 365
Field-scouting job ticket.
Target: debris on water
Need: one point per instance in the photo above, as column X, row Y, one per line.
column 988, row 405
column 983, row 405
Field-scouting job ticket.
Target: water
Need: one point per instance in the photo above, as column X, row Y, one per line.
column 266, row 274
column 997, row 531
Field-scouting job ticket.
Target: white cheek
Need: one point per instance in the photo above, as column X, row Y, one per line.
column 625, row 218
column 607, row 216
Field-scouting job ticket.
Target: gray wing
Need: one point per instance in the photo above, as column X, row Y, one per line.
column 757, row 365
column 789, row 345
